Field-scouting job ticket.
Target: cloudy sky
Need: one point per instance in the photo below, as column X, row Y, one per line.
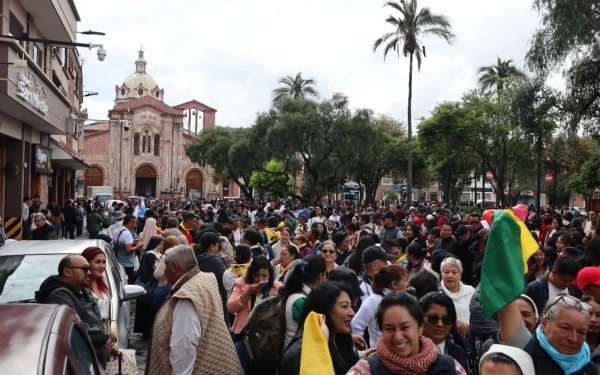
column 229, row 54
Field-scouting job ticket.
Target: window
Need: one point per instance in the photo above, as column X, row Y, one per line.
column 15, row 28
column 37, row 55
column 33, row 268
column 225, row 189
column 62, row 55
column 157, row 145
column 136, row 144
column 56, row 80
column 85, row 357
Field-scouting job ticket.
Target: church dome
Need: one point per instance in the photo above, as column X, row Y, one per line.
column 139, row 84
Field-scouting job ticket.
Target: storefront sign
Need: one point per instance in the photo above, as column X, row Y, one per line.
column 29, row 91
column 42, row 158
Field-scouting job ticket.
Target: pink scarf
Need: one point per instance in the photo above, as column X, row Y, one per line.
column 416, row 364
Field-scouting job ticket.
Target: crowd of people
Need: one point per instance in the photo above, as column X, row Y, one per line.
column 397, row 289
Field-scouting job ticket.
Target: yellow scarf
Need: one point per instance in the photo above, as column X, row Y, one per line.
column 315, row 357
column 240, row 269
column 283, row 269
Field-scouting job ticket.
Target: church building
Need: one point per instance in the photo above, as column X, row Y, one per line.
column 148, row 159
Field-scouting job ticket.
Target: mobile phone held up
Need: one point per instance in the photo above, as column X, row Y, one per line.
column 263, row 283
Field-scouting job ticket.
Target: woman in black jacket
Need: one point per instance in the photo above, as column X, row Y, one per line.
column 210, row 262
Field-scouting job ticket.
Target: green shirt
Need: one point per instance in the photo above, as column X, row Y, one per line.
column 94, row 222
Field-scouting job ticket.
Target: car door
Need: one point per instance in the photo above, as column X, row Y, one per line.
column 83, row 359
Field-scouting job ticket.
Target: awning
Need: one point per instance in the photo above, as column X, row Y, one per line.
column 63, row 158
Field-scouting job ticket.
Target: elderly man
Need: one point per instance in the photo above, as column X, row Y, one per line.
column 44, row 230
column 189, row 334
column 69, row 288
column 172, row 230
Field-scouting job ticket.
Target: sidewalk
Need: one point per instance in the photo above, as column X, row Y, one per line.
column 138, row 343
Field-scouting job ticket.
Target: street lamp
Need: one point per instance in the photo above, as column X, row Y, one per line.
column 25, row 37
column 90, row 93
column 554, row 164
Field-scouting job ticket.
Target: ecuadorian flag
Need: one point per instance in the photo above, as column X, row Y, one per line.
column 509, row 246
column 315, row 357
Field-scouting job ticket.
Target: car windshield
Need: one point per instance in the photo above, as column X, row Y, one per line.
column 22, row 275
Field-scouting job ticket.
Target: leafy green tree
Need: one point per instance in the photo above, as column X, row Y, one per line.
column 273, row 181
column 493, row 76
column 588, row 178
column 409, row 26
column 570, row 32
column 229, row 152
column 295, row 87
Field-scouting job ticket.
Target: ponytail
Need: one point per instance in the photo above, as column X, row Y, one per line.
column 307, row 271
column 386, row 276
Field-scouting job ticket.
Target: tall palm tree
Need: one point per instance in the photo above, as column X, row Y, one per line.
column 493, row 76
column 294, row 87
column 411, row 24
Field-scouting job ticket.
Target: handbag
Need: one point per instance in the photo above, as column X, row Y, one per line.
column 124, row 363
column 159, row 295
column 148, row 287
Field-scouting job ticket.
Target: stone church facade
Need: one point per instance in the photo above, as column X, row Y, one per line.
column 149, row 159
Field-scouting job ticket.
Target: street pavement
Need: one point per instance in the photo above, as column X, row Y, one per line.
column 137, row 342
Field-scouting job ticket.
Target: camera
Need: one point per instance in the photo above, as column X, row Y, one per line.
column 126, row 125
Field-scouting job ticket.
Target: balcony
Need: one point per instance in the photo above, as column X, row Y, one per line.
column 55, row 19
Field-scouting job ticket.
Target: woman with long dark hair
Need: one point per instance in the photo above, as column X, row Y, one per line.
column 355, row 260
column 415, row 255
column 334, row 300
column 412, row 234
column 303, row 279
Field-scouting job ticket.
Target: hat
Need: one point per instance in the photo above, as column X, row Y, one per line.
column 374, row 252
column 118, row 215
column 521, row 358
column 348, row 276
column 377, row 215
column 583, row 213
column 587, row 276
column 525, row 297
column 429, row 217
column 390, row 215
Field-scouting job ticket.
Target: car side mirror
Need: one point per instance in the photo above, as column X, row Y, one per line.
column 132, row 292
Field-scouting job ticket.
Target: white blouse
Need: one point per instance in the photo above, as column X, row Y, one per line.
column 103, row 304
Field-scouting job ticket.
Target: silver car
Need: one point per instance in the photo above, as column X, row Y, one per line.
column 24, row 265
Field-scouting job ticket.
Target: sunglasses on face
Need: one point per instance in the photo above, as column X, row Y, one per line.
column 328, row 251
column 434, row 319
column 85, row 269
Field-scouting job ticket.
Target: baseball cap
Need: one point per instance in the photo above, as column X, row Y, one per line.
column 389, row 215
column 377, row 215
column 348, row 276
column 374, row 252
column 583, row 213
column 588, row 276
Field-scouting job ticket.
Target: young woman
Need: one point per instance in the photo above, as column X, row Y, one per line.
column 412, row 234
column 563, row 242
column 288, row 254
column 329, row 253
column 334, row 300
column 415, row 255
column 593, row 334
column 402, row 349
column 505, row 360
column 239, row 268
column 355, row 260
column 57, row 219
column 540, row 269
column 286, row 235
column 440, row 321
column 303, row 279
column 248, row 290
column 144, row 315
column 390, row 279
column 302, row 226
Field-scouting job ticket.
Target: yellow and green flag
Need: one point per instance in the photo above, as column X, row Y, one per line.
column 509, row 246
column 315, row 357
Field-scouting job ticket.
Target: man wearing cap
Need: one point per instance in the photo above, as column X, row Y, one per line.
column 389, row 230
column 118, row 217
column 588, row 281
column 377, row 222
column 374, row 258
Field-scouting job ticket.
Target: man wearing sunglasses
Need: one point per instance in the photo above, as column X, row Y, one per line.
column 69, row 288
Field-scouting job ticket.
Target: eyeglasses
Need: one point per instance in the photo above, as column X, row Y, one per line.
column 328, row 251
column 434, row 319
column 85, row 269
column 571, row 301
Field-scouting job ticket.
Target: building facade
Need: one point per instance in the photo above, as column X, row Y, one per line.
column 37, row 154
column 149, row 158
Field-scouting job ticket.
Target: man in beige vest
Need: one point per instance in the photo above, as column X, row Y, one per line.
column 189, row 335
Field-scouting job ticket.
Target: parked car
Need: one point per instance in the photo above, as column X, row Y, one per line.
column 24, row 265
column 44, row 340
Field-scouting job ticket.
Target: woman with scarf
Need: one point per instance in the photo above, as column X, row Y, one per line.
column 288, row 254
column 286, row 235
column 402, row 349
column 149, row 231
column 451, row 270
column 558, row 345
column 302, row 246
column 241, row 262
column 302, row 280
column 334, row 300
column 144, row 315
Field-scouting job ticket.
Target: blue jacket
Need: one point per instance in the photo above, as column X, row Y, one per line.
column 538, row 291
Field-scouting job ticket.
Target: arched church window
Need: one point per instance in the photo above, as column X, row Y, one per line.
column 157, row 145
column 136, row 144
column 123, row 91
column 140, row 91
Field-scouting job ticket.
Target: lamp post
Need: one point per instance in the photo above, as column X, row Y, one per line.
column 25, row 38
column 555, row 174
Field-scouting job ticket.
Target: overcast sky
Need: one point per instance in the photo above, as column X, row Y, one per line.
column 229, row 54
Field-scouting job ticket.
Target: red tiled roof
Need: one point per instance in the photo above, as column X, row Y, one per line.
column 196, row 105
column 147, row 101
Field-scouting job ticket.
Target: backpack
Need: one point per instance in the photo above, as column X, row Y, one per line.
column 265, row 332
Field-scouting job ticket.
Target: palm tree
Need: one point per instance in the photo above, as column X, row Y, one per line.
column 494, row 76
column 294, row 87
column 411, row 24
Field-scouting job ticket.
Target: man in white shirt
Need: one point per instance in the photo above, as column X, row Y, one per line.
column 587, row 227
column 177, row 330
